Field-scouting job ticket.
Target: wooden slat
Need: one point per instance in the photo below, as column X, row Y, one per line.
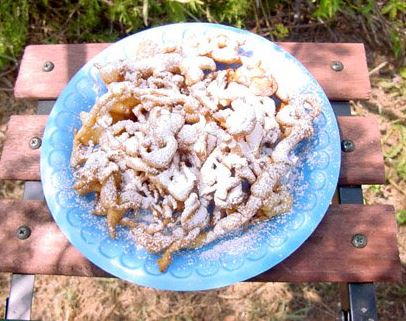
column 362, row 166
column 18, row 160
column 67, row 60
column 350, row 83
column 326, row 256
column 46, row 251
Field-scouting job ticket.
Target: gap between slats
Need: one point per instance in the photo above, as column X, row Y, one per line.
column 362, row 166
column 327, row 255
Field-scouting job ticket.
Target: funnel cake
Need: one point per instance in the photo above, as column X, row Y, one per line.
column 192, row 134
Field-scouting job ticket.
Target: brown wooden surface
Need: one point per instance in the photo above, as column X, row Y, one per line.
column 18, row 160
column 365, row 164
column 350, row 83
column 326, row 256
column 46, row 251
column 362, row 166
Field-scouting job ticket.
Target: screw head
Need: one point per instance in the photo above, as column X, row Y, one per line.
column 23, row 232
column 337, row 65
column 35, row 142
column 359, row 240
column 347, row 145
column 48, row 66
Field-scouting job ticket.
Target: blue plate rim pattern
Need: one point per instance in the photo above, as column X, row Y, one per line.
column 69, row 211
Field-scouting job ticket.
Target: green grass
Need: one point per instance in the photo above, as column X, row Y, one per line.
column 396, row 154
column 13, row 29
column 401, row 218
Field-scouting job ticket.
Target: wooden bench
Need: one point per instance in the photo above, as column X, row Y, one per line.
column 335, row 252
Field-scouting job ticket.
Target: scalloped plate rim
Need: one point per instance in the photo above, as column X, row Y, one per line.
column 166, row 281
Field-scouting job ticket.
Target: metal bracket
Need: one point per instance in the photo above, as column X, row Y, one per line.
column 21, row 293
column 358, row 300
column 18, row 304
column 362, row 302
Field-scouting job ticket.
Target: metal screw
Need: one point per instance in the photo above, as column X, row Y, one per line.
column 23, row 232
column 359, row 241
column 347, row 145
column 48, row 66
column 337, row 65
column 35, row 142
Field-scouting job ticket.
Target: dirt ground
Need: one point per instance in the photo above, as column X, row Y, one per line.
column 72, row 298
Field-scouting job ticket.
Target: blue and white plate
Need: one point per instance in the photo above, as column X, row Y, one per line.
column 235, row 258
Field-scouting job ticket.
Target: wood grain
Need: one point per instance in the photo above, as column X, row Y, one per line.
column 350, row 83
column 67, row 60
column 18, row 160
column 46, row 251
column 326, row 256
column 362, row 166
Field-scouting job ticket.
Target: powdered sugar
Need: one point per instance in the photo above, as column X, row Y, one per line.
column 240, row 244
column 239, row 135
column 252, row 240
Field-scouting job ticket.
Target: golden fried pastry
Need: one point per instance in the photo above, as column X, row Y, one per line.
column 204, row 150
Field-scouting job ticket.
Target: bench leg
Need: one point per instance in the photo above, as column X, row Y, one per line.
column 358, row 299
column 361, row 300
column 18, row 306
